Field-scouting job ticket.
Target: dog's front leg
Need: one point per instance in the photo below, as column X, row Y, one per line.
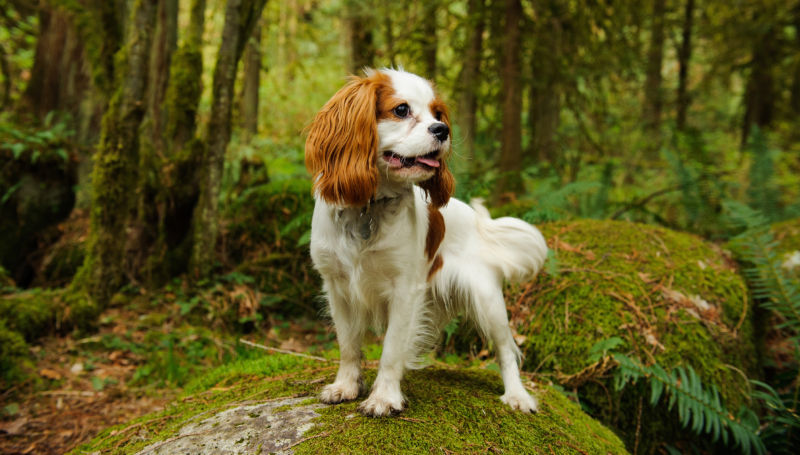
column 404, row 323
column 349, row 332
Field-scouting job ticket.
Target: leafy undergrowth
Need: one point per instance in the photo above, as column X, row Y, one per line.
column 450, row 411
column 139, row 355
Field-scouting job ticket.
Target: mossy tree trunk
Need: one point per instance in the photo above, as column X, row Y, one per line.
column 153, row 155
column 114, row 176
column 511, row 136
column 240, row 18
column 248, row 110
column 469, row 77
column 185, row 88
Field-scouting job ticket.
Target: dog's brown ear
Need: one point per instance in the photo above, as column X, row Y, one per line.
column 442, row 185
column 341, row 148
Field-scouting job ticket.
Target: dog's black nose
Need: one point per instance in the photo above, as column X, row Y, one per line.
column 440, row 130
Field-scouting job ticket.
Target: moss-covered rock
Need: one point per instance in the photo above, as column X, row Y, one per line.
column 672, row 299
column 246, row 407
column 38, row 312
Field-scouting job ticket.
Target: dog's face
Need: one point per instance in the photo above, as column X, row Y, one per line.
column 389, row 125
column 413, row 129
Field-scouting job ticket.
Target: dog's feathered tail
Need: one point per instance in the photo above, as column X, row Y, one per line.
column 513, row 246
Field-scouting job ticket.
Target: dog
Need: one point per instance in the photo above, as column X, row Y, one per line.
column 393, row 249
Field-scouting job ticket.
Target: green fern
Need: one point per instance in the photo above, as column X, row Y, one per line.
column 698, row 406
column 769, row 283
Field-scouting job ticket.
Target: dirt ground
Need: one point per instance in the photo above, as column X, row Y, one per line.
column 80, row 392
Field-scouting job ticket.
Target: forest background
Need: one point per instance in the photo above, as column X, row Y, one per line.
column 151, row 155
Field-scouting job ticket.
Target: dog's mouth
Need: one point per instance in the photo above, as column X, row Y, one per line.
column 428, row 162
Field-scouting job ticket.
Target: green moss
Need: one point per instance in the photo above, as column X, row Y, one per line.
column 37, row 312
column 13, row 356
column 449, row 411
column 636, row 282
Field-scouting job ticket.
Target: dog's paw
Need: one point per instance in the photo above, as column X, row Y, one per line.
column 520, row 401
column 381, row 405
column 339, row 392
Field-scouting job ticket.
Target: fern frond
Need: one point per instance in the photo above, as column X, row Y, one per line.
column 698, row 406
column 769, row 283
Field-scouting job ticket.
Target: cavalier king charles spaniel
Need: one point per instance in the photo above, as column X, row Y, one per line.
column 393, row 249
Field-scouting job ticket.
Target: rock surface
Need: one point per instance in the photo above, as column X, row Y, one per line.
column 269, row 405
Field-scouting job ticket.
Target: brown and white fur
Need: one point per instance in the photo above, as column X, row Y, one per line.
column 394, row 251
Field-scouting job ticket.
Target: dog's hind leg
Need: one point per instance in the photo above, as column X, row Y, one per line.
column 489, row 313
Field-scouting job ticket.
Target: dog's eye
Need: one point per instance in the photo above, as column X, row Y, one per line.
column 438, row 115
column 402, row 110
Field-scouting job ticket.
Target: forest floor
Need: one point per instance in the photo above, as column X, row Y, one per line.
column 81, row 391
column 84, row 384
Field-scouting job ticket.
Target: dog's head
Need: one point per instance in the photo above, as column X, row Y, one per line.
column 388, row 125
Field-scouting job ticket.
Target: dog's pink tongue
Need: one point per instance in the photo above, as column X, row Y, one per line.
column 429, row 161
column 393, row 161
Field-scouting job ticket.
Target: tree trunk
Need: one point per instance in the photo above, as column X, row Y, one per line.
column 794, row 99
column 240, row 18
column 544, row 96
column 186, row 85
column 469, row 78
column 115, row 167
column 358, row 23
column 759, row 96
column 655, row 56
column 388, row 32
column 144, row 232
column 164, row 42
column 511, row 138
column 684, row 59
column 429, row 40
column 59, row 80
column 248, row 111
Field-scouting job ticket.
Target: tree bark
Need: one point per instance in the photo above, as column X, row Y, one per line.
column 759, row 96
column 359, row 24
column 185, row 88
column 58, row 80
column 511, row 136
column 429, row 40
column 655, row 56
column 115, row 167
column 794, row 99
column 240, row 18
column 164, row 42
column 544, row 96
column 469, row 77
column 248, row 111
column 684, row 59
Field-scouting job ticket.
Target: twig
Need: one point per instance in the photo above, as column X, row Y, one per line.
column 283, row 351
column 326, row 433
column 411, row 419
